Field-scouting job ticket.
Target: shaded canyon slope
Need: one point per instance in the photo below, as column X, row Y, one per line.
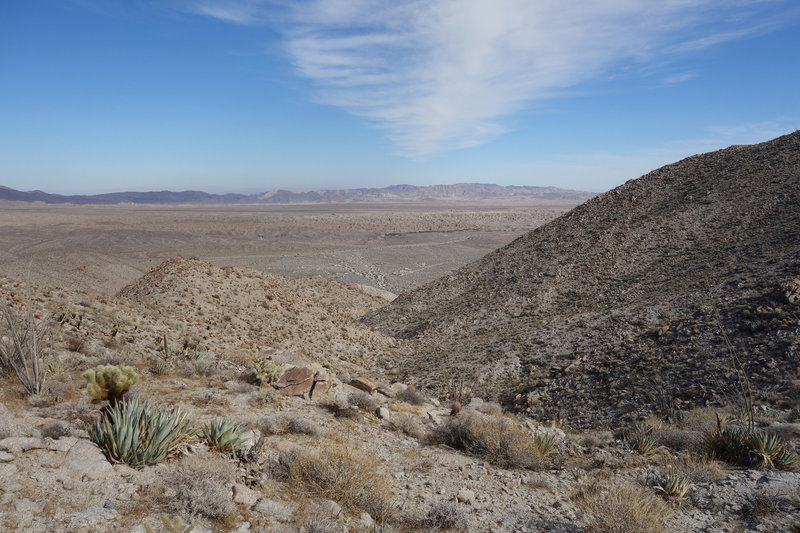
column 622, row 306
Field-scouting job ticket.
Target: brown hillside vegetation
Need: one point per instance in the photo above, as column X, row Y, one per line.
column 610, row 311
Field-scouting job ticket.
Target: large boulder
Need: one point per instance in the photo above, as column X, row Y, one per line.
column 297, row 381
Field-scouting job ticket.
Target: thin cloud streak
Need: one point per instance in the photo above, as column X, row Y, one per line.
column 443, row 75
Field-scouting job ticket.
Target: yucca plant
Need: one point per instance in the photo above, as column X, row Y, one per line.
column 56, row 367
column 139, row 434
column 674, row 486
column 223, row 435
column 544, row 442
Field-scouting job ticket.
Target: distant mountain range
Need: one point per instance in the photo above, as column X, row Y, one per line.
column 457, row 192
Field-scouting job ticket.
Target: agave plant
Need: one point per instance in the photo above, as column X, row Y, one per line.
column 674, row 486
column 768, row 451
column 159, row 368
column 728, row 443
column 643, row 443
column 139, row 434
column 223, row 435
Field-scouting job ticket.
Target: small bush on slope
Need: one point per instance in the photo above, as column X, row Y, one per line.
column 349, row 475
column 498, row 439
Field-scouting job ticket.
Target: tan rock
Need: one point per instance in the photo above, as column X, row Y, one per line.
column 363, row 384
column 297, row 381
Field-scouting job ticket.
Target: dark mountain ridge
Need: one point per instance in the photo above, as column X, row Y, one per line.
column 619, row 306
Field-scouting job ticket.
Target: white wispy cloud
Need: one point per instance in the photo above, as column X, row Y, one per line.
column 439, row 75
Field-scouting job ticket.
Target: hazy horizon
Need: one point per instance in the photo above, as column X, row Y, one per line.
column 257, row 95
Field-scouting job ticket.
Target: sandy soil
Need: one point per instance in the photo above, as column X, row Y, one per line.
column 390, row 247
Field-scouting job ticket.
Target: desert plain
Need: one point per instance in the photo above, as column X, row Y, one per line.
column 391, row 247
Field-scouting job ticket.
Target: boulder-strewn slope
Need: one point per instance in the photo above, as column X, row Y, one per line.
column 611, row 310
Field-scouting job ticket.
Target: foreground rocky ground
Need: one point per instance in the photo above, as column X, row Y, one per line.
column 407, row 464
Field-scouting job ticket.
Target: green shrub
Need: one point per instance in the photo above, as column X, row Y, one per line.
column 223, row 435
column 640, row 438
column 139, row 434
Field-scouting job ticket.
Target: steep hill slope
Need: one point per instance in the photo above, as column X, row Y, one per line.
column 620, row 305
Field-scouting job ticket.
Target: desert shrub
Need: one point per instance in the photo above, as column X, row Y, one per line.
column 407, row 424
column 341, row 408
column 411, row 396
column 139, row 434
column 198, row 367
column 110, row 382
column 362, row 400
column 347, row 474
column 322, row 524
column 264, row 397
column 695, row 468
column 679, row 439
column 286, row 423
column 613, row 507
column 498, row 439
column 56, row 430
column 223, row 435
column 446, row 515
column 23, row 346
column 196, row 486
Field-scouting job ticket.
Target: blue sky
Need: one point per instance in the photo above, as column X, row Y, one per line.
column 253, row 95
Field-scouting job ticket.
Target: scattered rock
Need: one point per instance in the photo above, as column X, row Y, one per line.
column 455, row 408
column 363, row 384
column 85, row 461
column 276, row 510
column 383, row 413
column 244, row 495
column 20, row 444
column 6, row 457
column 466, row 496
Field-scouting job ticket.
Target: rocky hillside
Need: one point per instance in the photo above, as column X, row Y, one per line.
column 624, row 304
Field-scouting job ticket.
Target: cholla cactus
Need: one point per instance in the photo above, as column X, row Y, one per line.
column 266, row 370
column 109, row 382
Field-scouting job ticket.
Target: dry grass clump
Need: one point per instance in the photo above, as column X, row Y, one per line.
column 411, row 396
column 498, row 439
column 289, row 423
column 351, row 476
column 196, row 486
column 695, row 468
column 264, row 397
column 341, row 408
column 363, row 401
column 446, row 515
column 617, row 507
column 407, row 424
